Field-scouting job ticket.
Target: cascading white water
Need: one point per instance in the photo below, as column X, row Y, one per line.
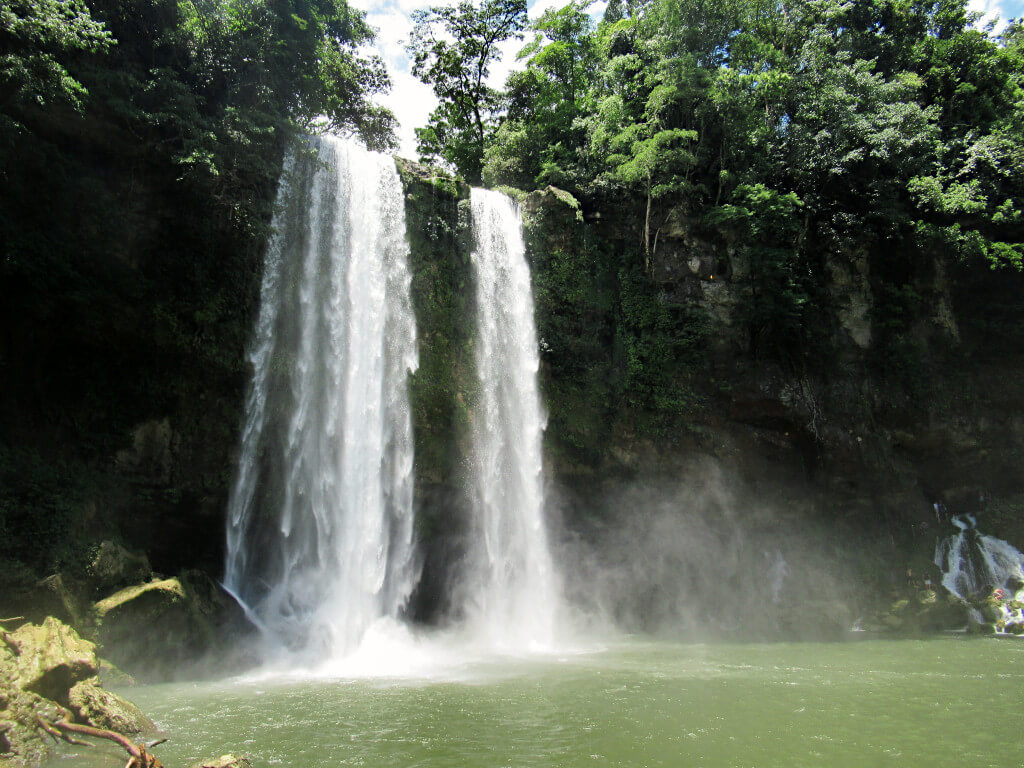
column 973, row 563
column 514, row 590
column 320, row 521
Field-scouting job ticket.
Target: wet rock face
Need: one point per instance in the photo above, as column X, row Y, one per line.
column 850, row 293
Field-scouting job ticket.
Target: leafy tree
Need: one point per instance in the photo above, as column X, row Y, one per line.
column 452, row 49
column 37, row 38
column 541, row 139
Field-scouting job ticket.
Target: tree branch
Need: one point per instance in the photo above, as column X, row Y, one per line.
column 62, row 729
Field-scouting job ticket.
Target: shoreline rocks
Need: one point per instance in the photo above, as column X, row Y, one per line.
column 47, row 670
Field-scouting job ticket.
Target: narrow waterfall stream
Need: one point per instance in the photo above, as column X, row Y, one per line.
column 320, row 521
column 973, row 563
column 513, row 594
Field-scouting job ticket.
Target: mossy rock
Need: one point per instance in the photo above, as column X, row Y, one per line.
column 46, row 669
column 153, row 596
column 21, row 742
column 52, row 658
column 101, row 708
column 157, row 629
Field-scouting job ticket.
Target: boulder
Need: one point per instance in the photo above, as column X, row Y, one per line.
column 141, row 602
column 51, row 658
column 165, row 627
column 921, row 610
column 21, row 743
column 146, row 626
column 104, row 709
column 225, row 761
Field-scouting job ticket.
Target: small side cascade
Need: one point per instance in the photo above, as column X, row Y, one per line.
column 986, row 573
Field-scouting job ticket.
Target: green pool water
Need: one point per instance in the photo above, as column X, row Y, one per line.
column 951, row 701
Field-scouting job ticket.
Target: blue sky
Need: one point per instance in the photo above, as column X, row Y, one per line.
column 412, row 102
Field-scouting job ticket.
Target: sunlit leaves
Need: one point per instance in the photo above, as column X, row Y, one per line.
column 452, row 49
column 36, row 38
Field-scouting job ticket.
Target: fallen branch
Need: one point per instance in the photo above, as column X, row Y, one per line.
column 139, row 757
column 51, row 729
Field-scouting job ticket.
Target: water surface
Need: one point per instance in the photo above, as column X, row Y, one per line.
column 937, row 702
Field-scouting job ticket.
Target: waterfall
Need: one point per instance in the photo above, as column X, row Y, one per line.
column 974, row 564
column 513, row 586
column 320, row 528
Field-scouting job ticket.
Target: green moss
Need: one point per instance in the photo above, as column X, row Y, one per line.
column 443, row 386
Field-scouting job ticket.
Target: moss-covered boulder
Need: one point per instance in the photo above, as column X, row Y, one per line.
column 97, row 706
column 48, row 670
column 140, row 601
column 51, row 657
column 169, row 627
column 21, row 743
column 916, row 611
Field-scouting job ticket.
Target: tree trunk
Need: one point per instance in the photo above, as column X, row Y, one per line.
column 647, row 231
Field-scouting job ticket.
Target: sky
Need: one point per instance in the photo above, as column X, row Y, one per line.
column 412, row 101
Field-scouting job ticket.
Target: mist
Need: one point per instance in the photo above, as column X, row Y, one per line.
column 703, row 557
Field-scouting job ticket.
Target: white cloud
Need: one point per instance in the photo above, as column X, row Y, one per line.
column 990, row 10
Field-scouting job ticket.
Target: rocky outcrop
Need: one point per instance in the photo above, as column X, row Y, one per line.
column 48, row 670
column 97, row 706
column 919, row 607
column 165, row 627
column 1000, row 612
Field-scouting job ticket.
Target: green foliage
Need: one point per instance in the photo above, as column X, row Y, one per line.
column 37, row 37
column 779, row 309
column 662, row 345
column 794, row 131
column 541, row 139
column 41, row 511
column 452, row 48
